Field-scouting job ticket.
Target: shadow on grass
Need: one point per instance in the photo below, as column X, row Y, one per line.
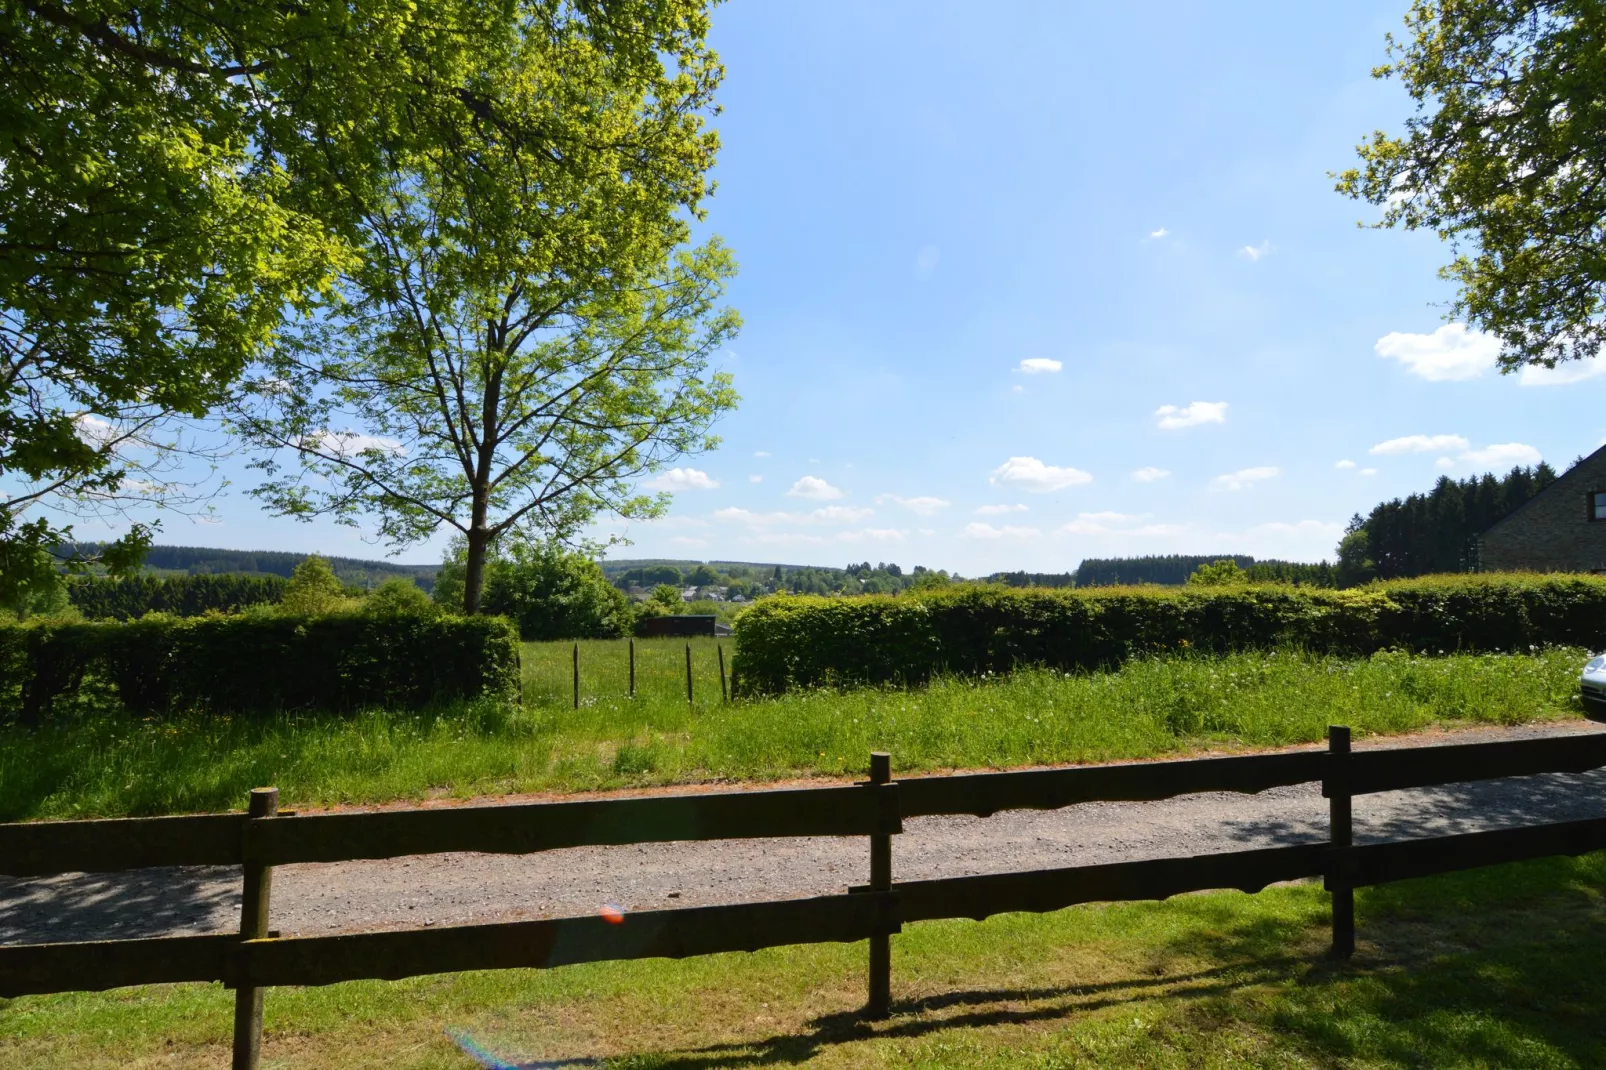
column 1496, row 968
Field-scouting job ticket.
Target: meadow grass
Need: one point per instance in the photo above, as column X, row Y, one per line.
column 1492, row 968
column 107, row 764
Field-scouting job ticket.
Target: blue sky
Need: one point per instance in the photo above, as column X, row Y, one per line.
column 1029, row 283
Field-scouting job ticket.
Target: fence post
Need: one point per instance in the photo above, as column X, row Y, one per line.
column 632, row 668
column 688, row 674
column 724, row 695
column 253, row 926
column 577, row 676
column 1341, row 834
column 880, row 1002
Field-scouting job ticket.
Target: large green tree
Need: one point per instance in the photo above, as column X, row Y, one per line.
column 165, row 171
column 1505, row 158
column 527, row 329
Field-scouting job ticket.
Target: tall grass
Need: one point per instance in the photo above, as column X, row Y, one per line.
column 113, row 765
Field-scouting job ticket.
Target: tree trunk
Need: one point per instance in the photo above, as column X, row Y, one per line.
column 479, row 540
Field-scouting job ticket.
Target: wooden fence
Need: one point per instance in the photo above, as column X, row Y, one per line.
column 262, row 837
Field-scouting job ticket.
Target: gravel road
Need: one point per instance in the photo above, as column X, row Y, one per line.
column 458, row 889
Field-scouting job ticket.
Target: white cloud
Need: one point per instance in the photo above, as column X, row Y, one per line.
column 677, row 522
column 755, row 479
column 1017, row 389
column 1303, row 527
column 1244, row 478
column 1149, row 474
column 1033, row 475
column 686, row 540
column 1039, row 366
column 783, row 538
column 1158, row 233
column 1199, row 412
column 682, row 479
column 353, row 443
column 873, row 535
column 1345, row 464
column 830, row 514
column 814, row 487
column 987, row 531
column 1104, row 523
column 925, row 506
column 999, row 510
column 1255, row 252
column 1507, row 453
column 1368, row 471
column 94, row 431
column 1419, row 444
column 926, row 261
column 1450, row 353
column 1572, row 371
column 761, row 453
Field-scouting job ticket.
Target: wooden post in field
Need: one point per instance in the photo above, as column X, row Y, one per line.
column 253, row 926
column 577, row 676
column 724, row 695
column 880, row 1002
column 632, row 668
column 1341, row 833
column 688, row 674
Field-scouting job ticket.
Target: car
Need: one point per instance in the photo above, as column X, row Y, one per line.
column 1592, row 685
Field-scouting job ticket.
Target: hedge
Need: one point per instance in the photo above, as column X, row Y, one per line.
column 256, row 664
column 786, row 642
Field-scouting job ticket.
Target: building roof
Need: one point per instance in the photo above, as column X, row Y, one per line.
column 1573, row 475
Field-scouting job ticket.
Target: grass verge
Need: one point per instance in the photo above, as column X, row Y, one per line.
column 108, row 764
column 1495, row 968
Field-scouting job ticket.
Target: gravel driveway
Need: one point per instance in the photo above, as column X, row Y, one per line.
column 456, row 889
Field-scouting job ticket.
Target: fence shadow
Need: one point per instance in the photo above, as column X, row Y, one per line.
column 123, row 905
column 1444, row 810
column 1415, row 995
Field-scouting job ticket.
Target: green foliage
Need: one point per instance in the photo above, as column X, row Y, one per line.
column 398, row 597
column 1502, row 160
column 1034, row 579
column 1435, row 532
column 807, row 642
column 254, row 664
column 313, row 588
column 554, row 593
column 667, row 596
column 553, row 338
column 649, row 576
column 1223, row 573
column 130, row 597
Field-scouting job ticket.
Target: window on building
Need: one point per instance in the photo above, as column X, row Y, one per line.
column 1597, row 505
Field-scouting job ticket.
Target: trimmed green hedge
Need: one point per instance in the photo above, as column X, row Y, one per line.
column 788, row 642
column 256, row 664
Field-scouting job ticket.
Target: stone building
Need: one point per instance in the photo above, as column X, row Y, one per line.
column 1560, row 529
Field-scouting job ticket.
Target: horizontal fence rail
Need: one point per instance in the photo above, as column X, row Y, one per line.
column 251, row 961
column 46, row 847
column 1392, row 769
column 985, row 794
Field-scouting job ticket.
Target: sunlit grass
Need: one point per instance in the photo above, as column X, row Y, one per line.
column 1494, row 968
column 110, row 765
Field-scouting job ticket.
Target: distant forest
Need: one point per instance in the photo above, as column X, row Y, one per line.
column 1436, row 531
column 1174, row 570
column 207, row 561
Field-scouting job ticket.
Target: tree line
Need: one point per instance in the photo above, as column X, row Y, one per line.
column 1436, row 531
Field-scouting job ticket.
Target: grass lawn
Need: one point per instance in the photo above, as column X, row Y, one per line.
column 105, row 764
column 1495, row 968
